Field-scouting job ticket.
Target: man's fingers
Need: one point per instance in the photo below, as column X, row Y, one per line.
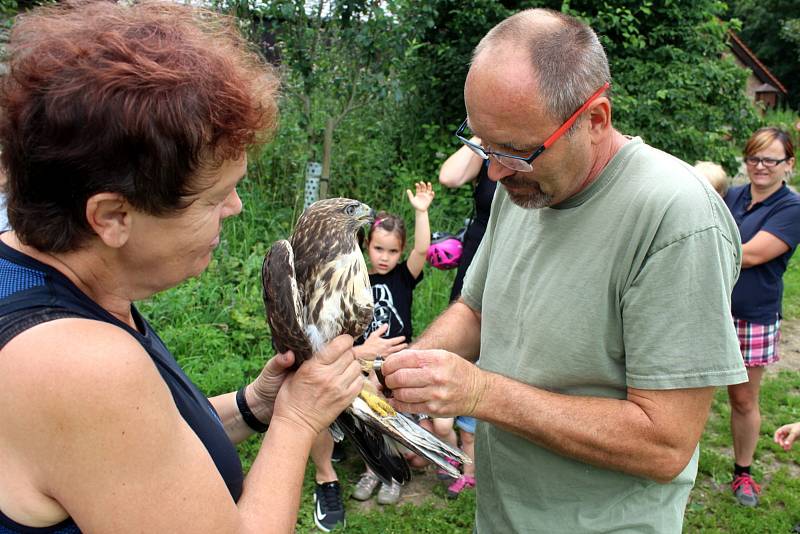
column 401, row 360
column 407, row 378
column 408, row 407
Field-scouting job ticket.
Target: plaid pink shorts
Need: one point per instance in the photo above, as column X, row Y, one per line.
column 758, row 342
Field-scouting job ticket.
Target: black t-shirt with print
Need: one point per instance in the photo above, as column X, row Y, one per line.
column 392, row 295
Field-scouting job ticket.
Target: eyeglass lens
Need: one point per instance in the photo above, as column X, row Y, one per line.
column 511, row 163
column 767, row 162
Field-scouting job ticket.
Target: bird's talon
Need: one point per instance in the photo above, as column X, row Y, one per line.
column 378, row 405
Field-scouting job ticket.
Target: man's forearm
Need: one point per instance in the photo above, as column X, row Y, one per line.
column 457, row 330
column 652, row 436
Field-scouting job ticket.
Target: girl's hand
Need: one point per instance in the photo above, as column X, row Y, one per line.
column 786, row 435
column 376, row 345
column 423, row 198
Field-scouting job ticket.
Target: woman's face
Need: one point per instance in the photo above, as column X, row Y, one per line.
column 764, row 177
column 384, row 250
column 165, row 250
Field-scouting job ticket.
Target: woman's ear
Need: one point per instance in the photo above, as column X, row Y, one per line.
column 109, row 215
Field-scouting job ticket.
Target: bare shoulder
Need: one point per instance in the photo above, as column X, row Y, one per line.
column 82, row 407
column 74, row 359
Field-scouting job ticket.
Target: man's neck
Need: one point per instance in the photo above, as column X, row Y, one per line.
column 604, row 153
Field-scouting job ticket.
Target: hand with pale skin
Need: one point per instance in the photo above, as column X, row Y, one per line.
column 423, row 198
column 321, row 388
column 376, row 345
column 786, row 435
column 435, row 382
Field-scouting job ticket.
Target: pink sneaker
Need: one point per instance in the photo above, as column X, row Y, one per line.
column 745, row 489
column 463, row 482
column 441, row 474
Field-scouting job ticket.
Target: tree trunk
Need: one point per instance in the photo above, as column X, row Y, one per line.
column 327, row 147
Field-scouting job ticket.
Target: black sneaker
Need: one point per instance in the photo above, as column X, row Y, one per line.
column 339, row 454
column 328, row 506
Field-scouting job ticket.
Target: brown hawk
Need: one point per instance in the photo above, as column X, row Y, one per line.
column 316, row 287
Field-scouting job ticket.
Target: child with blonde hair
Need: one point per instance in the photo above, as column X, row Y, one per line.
column 715, row 175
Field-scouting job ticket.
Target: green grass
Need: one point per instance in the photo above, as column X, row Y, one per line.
column 215, row 326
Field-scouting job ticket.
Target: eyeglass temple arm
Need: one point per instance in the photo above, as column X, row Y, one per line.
column 570, row 121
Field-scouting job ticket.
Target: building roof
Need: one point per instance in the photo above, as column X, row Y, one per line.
column 760, row 70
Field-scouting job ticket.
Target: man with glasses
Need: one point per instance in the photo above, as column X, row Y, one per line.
column 598, row 300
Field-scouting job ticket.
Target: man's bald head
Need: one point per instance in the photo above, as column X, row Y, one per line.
column 565, row 57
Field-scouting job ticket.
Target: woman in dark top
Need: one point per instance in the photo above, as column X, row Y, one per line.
column 124, row 131
column 767, row 213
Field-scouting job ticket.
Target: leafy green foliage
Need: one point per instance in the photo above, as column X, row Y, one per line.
column 791, row 289
column 771, row 29
column 672, row 85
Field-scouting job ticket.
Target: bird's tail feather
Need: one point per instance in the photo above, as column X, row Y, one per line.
column 417, row 439
column 379, row 453
column 336, row 432
column 424, row 443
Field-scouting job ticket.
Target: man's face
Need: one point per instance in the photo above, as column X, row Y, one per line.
column 506, row 114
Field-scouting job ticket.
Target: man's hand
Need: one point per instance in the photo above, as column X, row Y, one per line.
column 786, row 435
column 376, row 345
column 435, row 382
column 321, row 388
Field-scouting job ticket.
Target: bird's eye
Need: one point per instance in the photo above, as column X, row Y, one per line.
column 350, row 210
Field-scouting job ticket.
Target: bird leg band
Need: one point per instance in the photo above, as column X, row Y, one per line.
column 377, row 364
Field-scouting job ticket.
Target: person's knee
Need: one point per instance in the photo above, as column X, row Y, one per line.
column 744, row 402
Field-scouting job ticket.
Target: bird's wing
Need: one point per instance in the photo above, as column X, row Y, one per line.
column 406, row 431
column 283, row 302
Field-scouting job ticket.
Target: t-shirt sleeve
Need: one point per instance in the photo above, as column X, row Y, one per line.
column 677, row 328
column 408, row 278
column 784, row 224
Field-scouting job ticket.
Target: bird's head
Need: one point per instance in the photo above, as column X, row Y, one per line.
column 346, row 214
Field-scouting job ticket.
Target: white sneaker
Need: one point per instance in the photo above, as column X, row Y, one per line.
column 389, row 493
column 366, row 486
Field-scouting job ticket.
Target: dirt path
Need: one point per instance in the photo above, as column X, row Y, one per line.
column 789, row 349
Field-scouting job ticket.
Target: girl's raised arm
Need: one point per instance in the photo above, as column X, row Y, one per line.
column 422, row 226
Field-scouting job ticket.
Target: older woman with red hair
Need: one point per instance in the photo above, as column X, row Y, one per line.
column 125, row 130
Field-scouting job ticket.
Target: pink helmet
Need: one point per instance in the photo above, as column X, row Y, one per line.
column 444, row 251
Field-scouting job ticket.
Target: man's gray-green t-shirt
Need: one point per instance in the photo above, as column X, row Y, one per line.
column 626, row 284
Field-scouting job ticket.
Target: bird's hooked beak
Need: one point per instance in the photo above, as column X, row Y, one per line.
column 365, row 215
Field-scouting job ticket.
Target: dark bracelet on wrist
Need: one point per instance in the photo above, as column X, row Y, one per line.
column 248, row 416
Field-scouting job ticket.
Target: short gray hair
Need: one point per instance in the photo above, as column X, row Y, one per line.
column 567, row 58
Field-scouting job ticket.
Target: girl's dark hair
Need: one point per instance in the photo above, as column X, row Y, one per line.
column 391, row 223
column 140, row 100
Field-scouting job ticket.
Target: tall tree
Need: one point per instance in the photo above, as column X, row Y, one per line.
column 771, row 29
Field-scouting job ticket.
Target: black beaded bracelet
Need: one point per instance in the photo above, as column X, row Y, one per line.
column 248, row 416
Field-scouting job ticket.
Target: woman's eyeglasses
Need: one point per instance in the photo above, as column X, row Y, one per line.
column 753, row 161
